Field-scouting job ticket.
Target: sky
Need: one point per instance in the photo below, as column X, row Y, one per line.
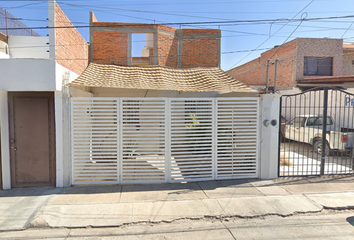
column 248, row 27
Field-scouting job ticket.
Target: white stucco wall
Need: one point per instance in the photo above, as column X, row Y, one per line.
column 4, row 55
column 33, row 75
column 119, row 92
column 63, row 76
column 29, row 47
column 27, row 75
column 5, row 145
column 38, row 75
column 269, row 126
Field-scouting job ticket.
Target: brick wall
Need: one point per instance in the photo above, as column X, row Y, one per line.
column 199, row 50
column 167, row 50
column 110, row 48
column 251, row 73
column 286, row 64
column 347, row 62
column 255, row 71
column 319, row 47
column 291, row 64
column 71, row 49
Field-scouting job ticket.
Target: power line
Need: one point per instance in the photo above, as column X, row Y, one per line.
column 347, row 29
column 220, row 23
column 288, row 37
column 140, row 11
column 82, row 44
column 274, row 33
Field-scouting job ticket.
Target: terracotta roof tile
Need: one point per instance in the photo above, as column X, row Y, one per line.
column 160, row 78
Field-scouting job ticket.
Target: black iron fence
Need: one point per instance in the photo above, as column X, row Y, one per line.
column 317, row 133
column 12, row 26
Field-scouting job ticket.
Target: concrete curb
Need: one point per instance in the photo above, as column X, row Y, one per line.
column 118, row 214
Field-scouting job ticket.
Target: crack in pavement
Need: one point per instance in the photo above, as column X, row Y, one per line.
column 223, row 218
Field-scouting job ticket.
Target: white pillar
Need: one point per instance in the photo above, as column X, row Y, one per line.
column 67, row 157
column 59, row 138
column 270, row 135
column 5, row 143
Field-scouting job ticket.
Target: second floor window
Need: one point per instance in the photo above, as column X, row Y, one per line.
column 318, row 66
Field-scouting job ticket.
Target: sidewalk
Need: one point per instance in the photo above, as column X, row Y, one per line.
column 109, row 206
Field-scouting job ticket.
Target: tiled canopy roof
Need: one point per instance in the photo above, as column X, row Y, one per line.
column 160, row 78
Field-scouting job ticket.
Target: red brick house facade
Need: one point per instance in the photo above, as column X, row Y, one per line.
column 300, row 60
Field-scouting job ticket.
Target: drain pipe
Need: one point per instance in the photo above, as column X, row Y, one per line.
column 267, row 76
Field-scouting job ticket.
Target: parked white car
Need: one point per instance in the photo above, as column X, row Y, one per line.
column 308, row 129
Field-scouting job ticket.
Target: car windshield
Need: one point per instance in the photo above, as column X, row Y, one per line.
column 297, row 122
column 318, row 121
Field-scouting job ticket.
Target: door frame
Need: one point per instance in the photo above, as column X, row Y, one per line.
column 0, row 163
column 51, row 118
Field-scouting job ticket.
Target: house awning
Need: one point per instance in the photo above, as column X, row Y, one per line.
column 160, row 78
column 328, row 79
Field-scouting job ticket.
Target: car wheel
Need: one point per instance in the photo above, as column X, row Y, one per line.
column 318, row 148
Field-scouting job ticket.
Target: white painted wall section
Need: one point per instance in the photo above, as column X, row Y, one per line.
column 33, row 75
column 4, row 50
column 126, row 92
column 28, row 47
column 4, row 55
column 63, row 76
column 27, row 75
column 270, row 107
column 5, row 146
column 59, row 138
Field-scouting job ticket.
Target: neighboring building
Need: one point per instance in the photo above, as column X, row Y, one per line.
column 303, row 63
column 34, row 102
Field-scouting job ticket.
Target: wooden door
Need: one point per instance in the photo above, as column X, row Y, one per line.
column 32, row 139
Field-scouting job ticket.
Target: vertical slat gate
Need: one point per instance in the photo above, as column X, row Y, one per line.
column 237, row 141
column 152, row 140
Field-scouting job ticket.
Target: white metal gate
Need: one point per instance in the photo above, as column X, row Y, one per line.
column 151, row 140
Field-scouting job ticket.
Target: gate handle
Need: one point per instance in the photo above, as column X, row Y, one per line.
column 266, row 123
column 274, row 122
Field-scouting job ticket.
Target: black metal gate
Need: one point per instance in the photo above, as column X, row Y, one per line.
column 316, row 133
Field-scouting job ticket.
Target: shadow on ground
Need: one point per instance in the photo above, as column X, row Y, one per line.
column 178, row 188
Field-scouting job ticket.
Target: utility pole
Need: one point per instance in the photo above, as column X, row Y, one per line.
column 6, row 26
column 267, row 76
column 275, row 74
